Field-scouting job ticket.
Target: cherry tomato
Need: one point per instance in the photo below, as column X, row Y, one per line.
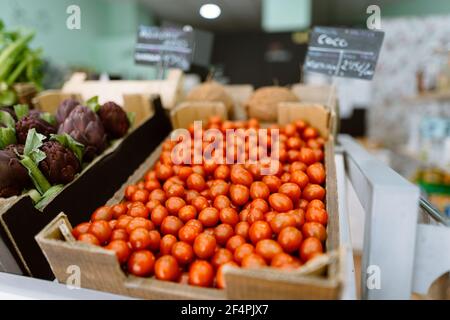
column 240, row 176
column 221, row 202
column 293, row 143
column 293, row 155
column 309, row 248
column 239, row 194
column 219, row 188
column 80, row 229
column 259, row 190
column 234, row 242
column 290, row 239
column 315, row 204
column 191, row 195
column 292, row 190
column 280, row 202
column 300, row 124
column 310, row 133
column 281, row 221
column 140, row 222
column 302, row 204
column 316, row 215
column 139, row 238
column 242, row 251
column 200, row 203
column 316, row 173
column 300, row 178
column 204, row 245
column 166, row 268
column 152, row 204
column 209, row 217
column 155, row 240
column 319, row 155
column 119, row 210
column 121, row 249
column 140, row 195
column 272, row 182
column 166, row 244
column 150, row 175
column 188, row 233
column 187, row 213
column 175, row 190
column 201, row 273
column 196, row 224
column 129, row 191
column 242, row 228
column 174, row 204
column 243, row 215
column 297, row 166
column 102, row 213
column 183, row 252
column 112, row 223
column 285, row 177
column 220, row 279
column 281, row 259
column 314, row 229
column 158, row 215
column 196, row 182
column 141, row 263
column 158, row 194
column 229, row 216
column 254, row 215
column 151, row 185
column 88, row 238
column 253, row 261
column 139, row 210
column 184, row 172
column 119, row 234
column 267, row 249
column 223, row 232
column 171, row 225
column 164, row 172
column 268, row 216
column 220, row 257
column 123, row 221
column 299, row 216
column 222, row 172
column 101, row 230
column 290, row 130
column 259, row 230
column 307, row 156
column 260, row 204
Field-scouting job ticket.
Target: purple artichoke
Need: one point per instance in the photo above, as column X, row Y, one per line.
column 85, row 126
column 13, row 176
column 15, row 148
column 30, row 122
column 60, row 165
column 114, row 120
column 64, row 109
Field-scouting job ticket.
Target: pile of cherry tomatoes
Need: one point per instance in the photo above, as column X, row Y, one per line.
column 185, row 223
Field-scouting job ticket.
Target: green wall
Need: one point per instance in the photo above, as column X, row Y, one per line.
column 416, row 7
column 105, row 42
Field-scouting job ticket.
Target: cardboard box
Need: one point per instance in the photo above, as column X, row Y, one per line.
column 320, row 278
column 20, row 221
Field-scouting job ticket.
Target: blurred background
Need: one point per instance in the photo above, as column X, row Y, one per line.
column 402, row 115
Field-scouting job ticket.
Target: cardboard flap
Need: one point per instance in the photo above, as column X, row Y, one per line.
column 188, row 112
column 321, row 94
column 315, row 114
column 49, row 100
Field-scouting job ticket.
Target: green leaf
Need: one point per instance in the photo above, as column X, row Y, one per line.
column 21, row 110
column 32, row 144
column 7, row 97
column 34, row 195
column 47, row 116
column 131, row 118
column 48, row 196
column 7, row 120
column 93, row 104
column 68, row 142
column 7, row 137
column 40, row 182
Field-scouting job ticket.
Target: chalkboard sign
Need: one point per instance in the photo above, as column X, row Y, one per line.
column 165, row 47
column 341, row 52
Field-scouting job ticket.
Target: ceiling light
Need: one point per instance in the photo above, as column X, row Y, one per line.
column 210, row 11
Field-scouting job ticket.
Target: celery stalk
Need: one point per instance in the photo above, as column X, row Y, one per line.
column 39, row 180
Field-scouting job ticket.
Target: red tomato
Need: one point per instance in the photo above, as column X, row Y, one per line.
column 281, row 221
column 309, row 248
column 152, row 204
column 196, row 182
column 253, row 261
column 140, row 223
column 223, row 232
column 88, row 238
column 316, row 173
column 150, row 175
column 164, row 172
column 196, row 224
column 122, row 222
column 220, row 257
column 281, row 259
column 175, row 190
column 201, row 274
column 158, row 215
column 229, row 216
column 204, row 246
column 239, row 194
column 300, row 178
column 166, row 268
column 313, row 192
column 183, row 252
column 268, row 216
column 209, row 217
column 187, row 213
column 299, row 216
column 310, row 133
column 121, row 249
column 240, row 176
column 191, row 195
column 174, row 204
column 222, row 172
column 259, row 204
column 316, row 204
column 272, row 182
column 268, row 248
column 138, row 209
column 302, row 204
column 166, row 244
column 221, row 202
column 219, row 188
column 242, row 228
column 290, row 189
column 285, row 177
column 80, row 229
column 119, row 234
column 141, row 263
column 260, row 230
column 140, row 196
column 171, row 225
column 234, row 242
column 102, row 213
column 316, row 215
column 242, row 251
column 151, row 185
column 139, row 238
column 220, row 279
column 158, row 194
column 297, row 166
column 259, row 190
column 184, row 172
column 129, row 191
column 200, row 203
column 280, row 202
column 101, row 230
column 155, row 240
column 290, row 239
column 243, row 215
column 314, row 229
column 254, row 215
column 119, row 210
column 188, row 233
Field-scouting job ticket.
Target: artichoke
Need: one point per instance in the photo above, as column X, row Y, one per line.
column 114, row 120
column 60, row 164
column 30, row 122
column 15, row 148
column 13, row 176
column 64, row 109
column 85, row 126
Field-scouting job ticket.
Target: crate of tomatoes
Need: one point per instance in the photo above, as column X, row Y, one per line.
column 220, row 210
